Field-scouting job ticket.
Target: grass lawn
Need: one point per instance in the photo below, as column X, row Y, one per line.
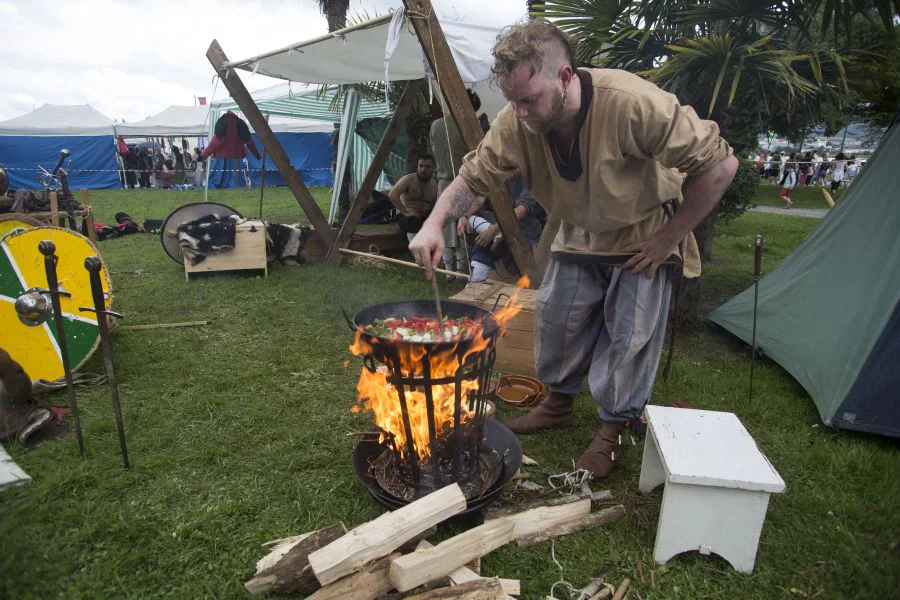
column 802, row 197
column 236, row 436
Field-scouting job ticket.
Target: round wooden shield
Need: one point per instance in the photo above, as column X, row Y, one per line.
column 168, row 234
column 36, row 348
column 15, row 221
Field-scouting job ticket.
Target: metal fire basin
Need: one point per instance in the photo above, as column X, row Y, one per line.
column 496, row 435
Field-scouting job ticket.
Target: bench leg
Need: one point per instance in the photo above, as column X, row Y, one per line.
column 652, row 472
column 709, row 519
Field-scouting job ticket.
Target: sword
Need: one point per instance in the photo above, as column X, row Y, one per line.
column 48, row 249
column 94, row 266
column 757, row 267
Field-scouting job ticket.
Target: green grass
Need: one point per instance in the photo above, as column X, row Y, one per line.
column 236, row 435
column 802, row 197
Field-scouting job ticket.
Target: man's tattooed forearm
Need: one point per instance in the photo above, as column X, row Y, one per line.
column 460, row 204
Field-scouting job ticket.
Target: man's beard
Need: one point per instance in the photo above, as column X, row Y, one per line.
column 542, row 125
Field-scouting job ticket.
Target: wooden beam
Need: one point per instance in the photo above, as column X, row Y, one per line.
column 55, row 221
column 398, row 120
column 535, row 520
column 428, row 564
column 464, row 575
column 242, row 97
column 603, row 517
column 424, row 20
column 368, row 584
column 88, row 215
column 381, row 536
column 286, row 569
column 481, row 589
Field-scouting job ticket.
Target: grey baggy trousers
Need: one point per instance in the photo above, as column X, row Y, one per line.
column 605, row 323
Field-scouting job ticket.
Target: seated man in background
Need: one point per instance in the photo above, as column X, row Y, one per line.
column 414, row 196
column 488, row 246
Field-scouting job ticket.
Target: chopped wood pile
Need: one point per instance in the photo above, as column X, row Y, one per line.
column 389, row 557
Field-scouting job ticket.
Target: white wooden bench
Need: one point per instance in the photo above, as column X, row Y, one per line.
column 10, row 472
column 717, row 484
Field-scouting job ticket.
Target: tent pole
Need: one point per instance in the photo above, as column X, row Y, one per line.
column 431, row 38
column 348, row 120
column 398, row 120
column 239, row 93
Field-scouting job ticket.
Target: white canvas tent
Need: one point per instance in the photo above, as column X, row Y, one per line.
column 357, row 54
column 60, row 120
column 184, row 121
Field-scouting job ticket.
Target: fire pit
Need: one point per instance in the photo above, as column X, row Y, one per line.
column 429, row 403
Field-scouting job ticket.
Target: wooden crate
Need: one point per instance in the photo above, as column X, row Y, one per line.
column 515, row 349
column 249, row 252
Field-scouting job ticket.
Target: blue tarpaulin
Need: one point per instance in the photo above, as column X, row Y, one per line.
column 91, row 163
column 310, row 154
column 35, row 139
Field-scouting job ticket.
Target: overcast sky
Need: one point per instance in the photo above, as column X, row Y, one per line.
column 130, row 59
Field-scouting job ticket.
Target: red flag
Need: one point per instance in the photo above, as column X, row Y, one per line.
column 202, row 100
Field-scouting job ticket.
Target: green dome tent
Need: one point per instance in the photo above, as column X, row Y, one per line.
column 830, row 312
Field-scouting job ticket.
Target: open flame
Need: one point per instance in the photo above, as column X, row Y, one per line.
column 377, row 394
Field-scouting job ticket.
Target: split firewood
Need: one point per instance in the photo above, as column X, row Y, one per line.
column 601, row 496
column 602, row 517
column 521, row 475
column 465, row 575
column 368, row 584
column 385, row 534
column 475, row 565
column 480, row 589
column 604, row 593
column 529, row 462
column 286, row 570
column 428, row 564
column 493, row 512
column 620, row 591
column 533, row 521
column 414, row 541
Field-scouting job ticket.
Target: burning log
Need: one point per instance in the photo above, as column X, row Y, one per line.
column 286, row 569
column 429, row 564
column 368, row 584
column 532, row 522
column 603, row 517
column 480, row 589
column 381, row 536
column 465, row 575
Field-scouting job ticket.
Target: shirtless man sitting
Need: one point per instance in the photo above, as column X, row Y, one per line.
column 414, row 196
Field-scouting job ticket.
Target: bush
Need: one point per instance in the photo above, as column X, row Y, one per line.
column 740, row 194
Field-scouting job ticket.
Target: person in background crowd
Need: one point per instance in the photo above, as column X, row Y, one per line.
column 145, row 162
column 774, row 168
column 852, row 170
column 820, row 169
column 790, row 181
column 179, row 165
column 838, row 168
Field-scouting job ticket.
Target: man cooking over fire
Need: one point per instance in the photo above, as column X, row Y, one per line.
column 607, row 153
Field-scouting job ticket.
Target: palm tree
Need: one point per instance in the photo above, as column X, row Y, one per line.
column 745, row 64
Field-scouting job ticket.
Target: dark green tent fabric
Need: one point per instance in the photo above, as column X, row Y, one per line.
column 825, row 307
column 372, row 130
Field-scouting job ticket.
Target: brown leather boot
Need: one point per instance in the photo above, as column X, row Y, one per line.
column 603, row 452
column 555, row 412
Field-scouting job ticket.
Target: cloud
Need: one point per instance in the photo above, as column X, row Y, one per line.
column 133, row 59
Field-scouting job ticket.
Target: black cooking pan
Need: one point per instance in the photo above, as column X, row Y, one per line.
column 422, row 309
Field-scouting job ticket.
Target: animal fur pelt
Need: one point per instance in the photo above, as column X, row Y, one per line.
column 286, row 243
column 207, row 235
